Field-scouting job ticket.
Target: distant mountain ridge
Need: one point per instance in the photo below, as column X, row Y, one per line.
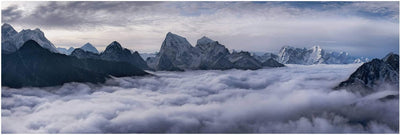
column 315, row 55
column 113, row 52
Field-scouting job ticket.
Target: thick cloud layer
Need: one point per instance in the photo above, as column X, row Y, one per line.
column 295, row 99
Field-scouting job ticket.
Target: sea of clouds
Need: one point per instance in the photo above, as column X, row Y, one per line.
column 293, row 99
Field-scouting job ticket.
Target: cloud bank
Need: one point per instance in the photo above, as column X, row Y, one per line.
column 293, row 99
column 361, row 28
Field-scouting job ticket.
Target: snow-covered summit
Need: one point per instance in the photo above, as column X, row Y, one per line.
column 90, row 48
column 315, row 55
column 12, row 41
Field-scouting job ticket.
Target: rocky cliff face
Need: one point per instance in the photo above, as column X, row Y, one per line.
column 12, row 40
column 176, row 53
column 315, row 55
column 372, row 75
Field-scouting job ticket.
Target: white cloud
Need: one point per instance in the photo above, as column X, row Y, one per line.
column 295, row 99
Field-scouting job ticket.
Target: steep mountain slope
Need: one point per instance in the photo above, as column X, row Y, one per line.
column 33, row 65
column 176, row 53
column 374, row 74
column 315, row 55
column 113, row 52
column 89, row 48
column 13, row 41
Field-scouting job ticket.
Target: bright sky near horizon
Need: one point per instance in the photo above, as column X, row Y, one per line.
column 368, row 29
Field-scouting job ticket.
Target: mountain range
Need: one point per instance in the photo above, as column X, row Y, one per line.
column 29, row 59
column 113, row 52
column 33, row 65
column 313, row 55
column 177, row 54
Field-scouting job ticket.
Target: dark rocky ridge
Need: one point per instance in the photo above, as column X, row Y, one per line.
column 371, row 75
column 35, row 66
column 113, row 52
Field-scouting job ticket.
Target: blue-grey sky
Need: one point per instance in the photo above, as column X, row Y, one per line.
column 361, row 28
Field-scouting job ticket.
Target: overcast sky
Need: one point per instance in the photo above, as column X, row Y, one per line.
column 361, row 28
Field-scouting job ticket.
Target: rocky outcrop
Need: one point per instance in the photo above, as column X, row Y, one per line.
column 372, row 75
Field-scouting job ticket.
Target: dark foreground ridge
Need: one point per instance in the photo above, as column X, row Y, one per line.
column 372, row 75
column 35, row 66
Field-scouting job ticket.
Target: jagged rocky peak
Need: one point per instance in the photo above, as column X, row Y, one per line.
column 83, row 54
column 115, row 52
column 204, row 40
column 7, row 31
column 393, row 60
column 114, row 45
column 90, row 48
column 12, row 40
column 315, row 55
column 174, row 40
column 373, row 75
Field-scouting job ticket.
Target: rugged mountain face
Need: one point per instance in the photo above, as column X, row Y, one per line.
column 82, row 54
column 89, row 48
column 315, row 55
column 266, row 56
column 243, row 60
column 176, row 53
column 32, row 65
column 7, row 45
column 12, row 41
column 213, row 55
column 272, row 63
column 113, row 52
column 371, row 75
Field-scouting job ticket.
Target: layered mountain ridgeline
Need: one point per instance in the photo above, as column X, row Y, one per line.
column 12, row 40
column 314, row 55
column 113, row 52
column 65, row 51
column 177, row 54
column 86, row 47
column 373, row 76
column 33, row 65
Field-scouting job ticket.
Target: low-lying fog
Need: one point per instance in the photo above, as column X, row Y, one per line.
column 295, row 99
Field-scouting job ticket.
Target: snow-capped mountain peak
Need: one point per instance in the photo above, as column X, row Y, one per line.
column 90, row 48
column 315, row 55
column 12, row 40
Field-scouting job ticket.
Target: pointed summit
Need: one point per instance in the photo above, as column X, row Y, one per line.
column 204, row 40
column 90, row 48
column 114, row 45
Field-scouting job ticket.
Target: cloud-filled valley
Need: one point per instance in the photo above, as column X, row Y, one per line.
column 295, row 98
